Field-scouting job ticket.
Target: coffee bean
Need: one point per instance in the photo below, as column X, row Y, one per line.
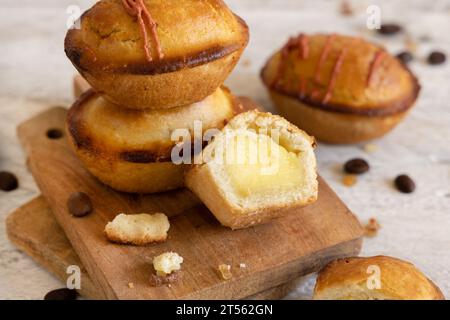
column 389, row 29
column 8, row 181
column 405, row 184
column 61, row 294
column 54, row 133
column 405, row 57
column 356, row 166
column 436, row 57
column 79, row 204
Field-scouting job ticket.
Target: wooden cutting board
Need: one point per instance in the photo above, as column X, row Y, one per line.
column 34, row 230
column 275, row 253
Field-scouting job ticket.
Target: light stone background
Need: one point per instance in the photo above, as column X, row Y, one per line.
column 35, row 74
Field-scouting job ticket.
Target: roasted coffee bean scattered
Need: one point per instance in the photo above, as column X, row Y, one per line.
column 8, row 181
column 389, row 29
column 356, row 166
column 405, row 184
column 61, row 294
column 79, row 204
column 54, row 133
column 436, row 57
column 405, row 57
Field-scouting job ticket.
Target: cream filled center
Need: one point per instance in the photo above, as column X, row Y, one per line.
column 256, row 164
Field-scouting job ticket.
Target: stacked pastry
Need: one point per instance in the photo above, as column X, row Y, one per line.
column 157, row 66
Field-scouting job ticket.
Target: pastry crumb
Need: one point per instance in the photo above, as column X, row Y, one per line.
column 167, row 263
column 371, row 228
column 131, row 285
column 138, row 229
column 246, row 62
column 225, row 271
column 349, row 180
column 370, row 148
column 345, row 8
column 411, row 45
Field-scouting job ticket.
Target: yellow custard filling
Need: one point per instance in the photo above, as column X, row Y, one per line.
column 256, row 164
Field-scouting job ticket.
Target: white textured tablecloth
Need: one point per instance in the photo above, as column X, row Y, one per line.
column 34, row 74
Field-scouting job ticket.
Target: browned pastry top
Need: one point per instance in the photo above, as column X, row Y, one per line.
column 143, row 136
column 341, row 73
column 399, row 280
column 187, row 33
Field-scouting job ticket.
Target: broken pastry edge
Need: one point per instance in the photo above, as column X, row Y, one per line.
column 116, row 234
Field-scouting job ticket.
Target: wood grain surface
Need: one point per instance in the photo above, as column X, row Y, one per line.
column 34, row 230
column 275, row 253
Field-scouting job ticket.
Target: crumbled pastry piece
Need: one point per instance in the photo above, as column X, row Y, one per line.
column 167, row 263
column 349, row 180
column 370, row 148
column 346, row 8
column 138, row 229
column 258, row 164
column 242, row 265
column 225, row 271
column 131, row 285
column 371, row 228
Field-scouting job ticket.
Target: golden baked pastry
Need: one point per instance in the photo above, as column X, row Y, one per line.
column 138, row 229
column 339, row 89
column 374, row 278
column 258, row 168
column 130, row 150
column 156, row 53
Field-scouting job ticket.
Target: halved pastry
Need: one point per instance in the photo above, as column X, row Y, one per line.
column 374, row 278
column 131, row 150
column 257, row 168
column 339, row 89
column 156, row 53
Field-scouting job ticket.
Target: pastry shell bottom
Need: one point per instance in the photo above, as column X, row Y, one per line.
column 334, row 127
column 165, row 90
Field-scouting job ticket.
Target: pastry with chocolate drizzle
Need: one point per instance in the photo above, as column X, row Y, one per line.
column 339, row 89
column 155, row 54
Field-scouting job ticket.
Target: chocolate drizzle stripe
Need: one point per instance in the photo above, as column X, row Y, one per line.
column 304, row 46
column 323, row 56
column 336, row 69
column 137, row 8
column 377, row 59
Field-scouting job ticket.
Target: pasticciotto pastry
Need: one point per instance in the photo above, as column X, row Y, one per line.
column 374, row 278
column 339, row 89
column 131, row 150
column 258, row 168
column 156, row 54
